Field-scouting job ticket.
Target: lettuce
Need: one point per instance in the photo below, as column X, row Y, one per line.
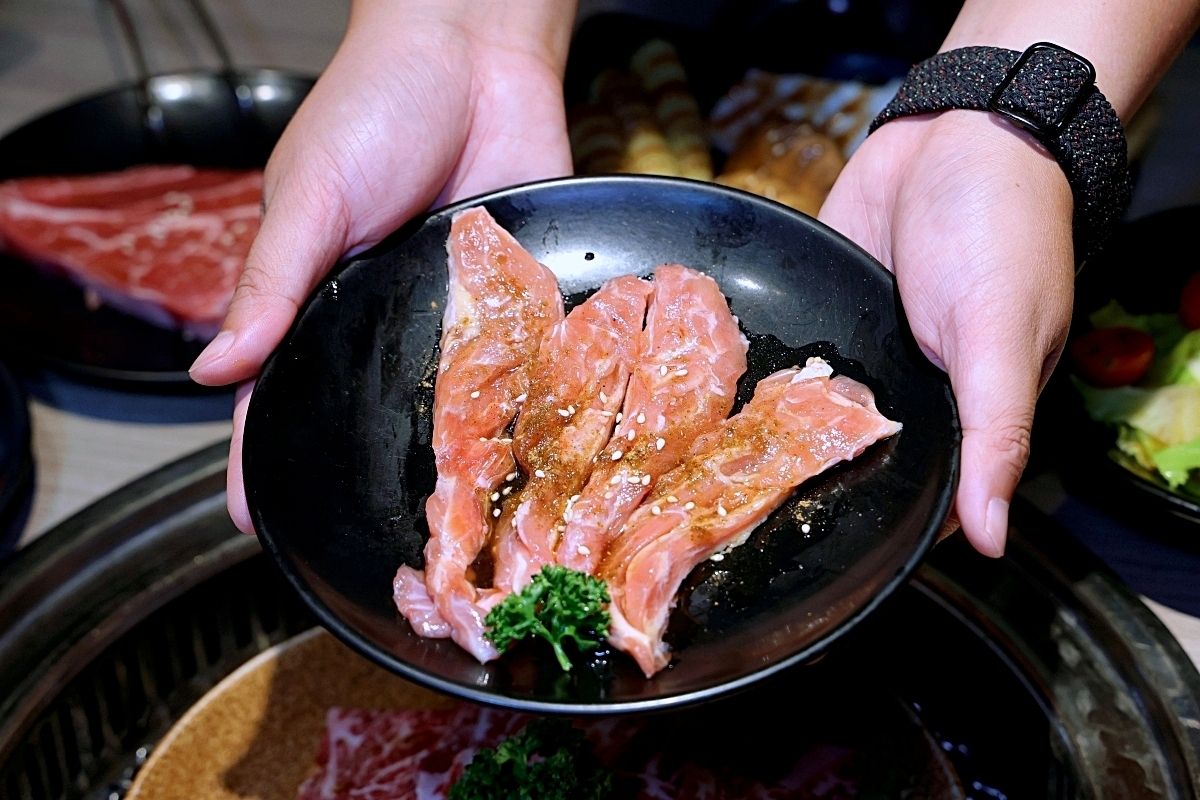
column 1177, row 461
column 1179, row 366
column 1112, row 405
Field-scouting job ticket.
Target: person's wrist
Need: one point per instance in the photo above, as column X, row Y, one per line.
column 539, row 29
column 962, row 135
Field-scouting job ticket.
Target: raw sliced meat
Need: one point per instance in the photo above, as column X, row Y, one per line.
column 798, row 424
column 407, row 754
column 399, row 755
column 691, row 356
column 413, row 601
column 575, row 390
column 166, row 243
column 501, row 303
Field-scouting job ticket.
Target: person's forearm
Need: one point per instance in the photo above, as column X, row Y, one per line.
column 539, row 27
column 1131, row 44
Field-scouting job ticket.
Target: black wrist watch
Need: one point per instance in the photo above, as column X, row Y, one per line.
column 1049, row 92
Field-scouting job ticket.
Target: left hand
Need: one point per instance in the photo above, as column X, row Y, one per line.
column 974, row 218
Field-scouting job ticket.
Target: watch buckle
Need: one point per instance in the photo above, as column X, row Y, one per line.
column 1041, row 130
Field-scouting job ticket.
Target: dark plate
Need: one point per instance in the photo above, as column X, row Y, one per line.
column 200, row 118
column 1144, row 267
column 338, row 463
column 16, row 461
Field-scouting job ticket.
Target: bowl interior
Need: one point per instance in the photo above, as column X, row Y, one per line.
column 338, row 462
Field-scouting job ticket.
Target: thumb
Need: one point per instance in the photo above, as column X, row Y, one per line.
column 996, row 388
column 304, row 231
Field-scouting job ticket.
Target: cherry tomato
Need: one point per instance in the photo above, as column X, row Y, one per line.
column 1189, row 303
column 1109, row 357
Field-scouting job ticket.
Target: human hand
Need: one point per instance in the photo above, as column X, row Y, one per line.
column 426, row 102
column 974, row 218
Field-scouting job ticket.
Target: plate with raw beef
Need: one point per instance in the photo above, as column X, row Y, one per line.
column 600, row 445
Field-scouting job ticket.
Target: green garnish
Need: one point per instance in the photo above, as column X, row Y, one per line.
column 558, row 604
column 567, row 770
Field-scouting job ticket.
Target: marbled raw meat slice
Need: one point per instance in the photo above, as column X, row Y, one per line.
column 576, row 387
column 798, row 424
column 401, row 755
column 420, row 754
column 501, row 303
column 691, row 355
column 165, row 243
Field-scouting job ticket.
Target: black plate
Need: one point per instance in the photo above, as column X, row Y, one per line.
column 205, row 119
column 338, row 463
column 16, row 462
column 1144, row 267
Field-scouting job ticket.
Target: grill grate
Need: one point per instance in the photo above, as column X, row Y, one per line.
column 90, row 740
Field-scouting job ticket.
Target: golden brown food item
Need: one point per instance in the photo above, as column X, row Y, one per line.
column 663, row 79
column 841, row 110
column 646, row 151
column 596, row 142
column 788, row 162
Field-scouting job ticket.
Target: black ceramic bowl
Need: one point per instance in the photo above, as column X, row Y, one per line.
column 1144, row 267
column 338, row 462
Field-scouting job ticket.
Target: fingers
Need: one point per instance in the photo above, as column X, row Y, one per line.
column 235, row 490
column 301, row 236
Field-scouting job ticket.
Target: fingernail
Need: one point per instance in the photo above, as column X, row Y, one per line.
column 996, row 525
column 216, row 349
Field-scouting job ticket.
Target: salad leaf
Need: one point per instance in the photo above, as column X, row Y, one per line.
column 1180, row 365
column 557, row 605
column 1177, row 461
column 1112, row 405
column 549, row 760
column 1170, row 414
column 1165, row 329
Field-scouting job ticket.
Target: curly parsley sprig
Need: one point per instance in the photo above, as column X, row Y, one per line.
column 565, row 770
column 558, row 604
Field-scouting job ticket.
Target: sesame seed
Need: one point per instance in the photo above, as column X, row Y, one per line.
column 495, row 496
column 721, row 511
column 680, row 373
column 562, row 412
column 560, row 528
column 537, row 473
column 603, row 397
column 631, row 435
column 663, row 370
column 641, row 418
column 660, row 444
column 570, row 409
column 805, row 528
column 483, row 439
column 575, row 498
column 567, row 515
column 615, row 480
column 475, row 395
column 672, row 498
column 520, row 398
column 512, row 476
column 608, row 495
column 507, row 491
column 619, row 415
column 616, row 456
column 495, row 512
column 689, row 505
column 632, row 479
column 606, row 413
column 645, row 480
column 716, row 557
column 655, row 510
column 583, row 550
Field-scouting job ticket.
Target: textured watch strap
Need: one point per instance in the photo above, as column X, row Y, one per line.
column 1090, row 146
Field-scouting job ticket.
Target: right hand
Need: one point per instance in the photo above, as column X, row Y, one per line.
column 426, row 102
